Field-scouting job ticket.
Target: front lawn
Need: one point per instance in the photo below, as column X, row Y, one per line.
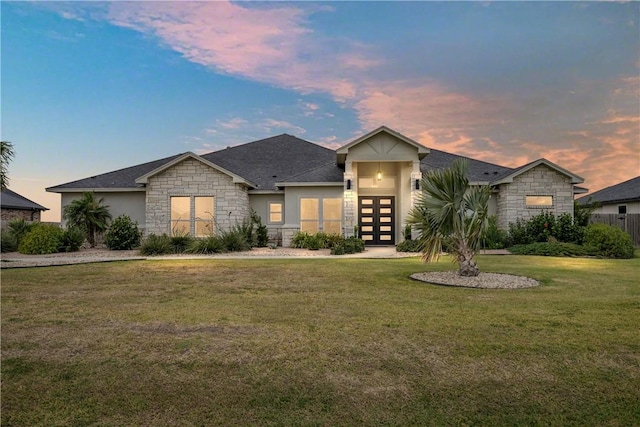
column 319, row 342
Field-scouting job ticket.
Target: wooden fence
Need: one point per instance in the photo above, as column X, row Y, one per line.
column 627, row 222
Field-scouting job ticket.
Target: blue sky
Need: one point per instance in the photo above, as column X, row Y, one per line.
column 92, row 87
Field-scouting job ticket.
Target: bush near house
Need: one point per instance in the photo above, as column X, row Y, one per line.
column 71, row 240
column 123, row 234
column 547, row 235
column 609, row 241
column 41, row 239
column 338, row 244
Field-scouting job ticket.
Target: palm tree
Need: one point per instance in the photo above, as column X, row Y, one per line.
column 6, row 155
column 450, row 211
column 88, row 214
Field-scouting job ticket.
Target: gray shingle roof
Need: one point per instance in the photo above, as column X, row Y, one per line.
column 279, row 159
column 122, row 178
column 329, row 172
column 479, row 171
column 12, row 200
column 626, row 191
column 272, row 160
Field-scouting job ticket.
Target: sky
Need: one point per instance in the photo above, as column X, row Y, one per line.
column 91, row 87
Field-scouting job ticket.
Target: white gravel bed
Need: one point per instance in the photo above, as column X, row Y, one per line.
column 483, row 280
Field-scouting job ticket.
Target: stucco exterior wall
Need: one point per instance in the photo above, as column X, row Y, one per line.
column 260, row 204
column 292, row 198
column 120, row 203
column 538, row 181
column 193, row 178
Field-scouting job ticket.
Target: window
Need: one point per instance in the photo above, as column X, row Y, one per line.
column 197, row 222
column 180, row 215
column 539, row 201
column 330, row 217
column 203, row 216
column 622, row 209
column 275, row 212
column 309, row 215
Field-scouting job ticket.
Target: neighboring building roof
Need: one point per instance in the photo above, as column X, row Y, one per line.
column 627, row 191
column 12, row 200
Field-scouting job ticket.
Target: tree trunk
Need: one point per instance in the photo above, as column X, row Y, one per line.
column 467, row 267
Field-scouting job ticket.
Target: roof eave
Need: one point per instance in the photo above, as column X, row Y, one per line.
column 94, row 189
column 310, row 184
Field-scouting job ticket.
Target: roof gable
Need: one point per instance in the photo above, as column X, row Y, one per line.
column 377, row 147
column 626, row 191
column 12, row 200
column 509, row 176
column 144, row 179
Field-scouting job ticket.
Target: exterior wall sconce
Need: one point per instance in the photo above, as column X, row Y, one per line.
column 348, row 184
column 379, row 174
column 417, row 184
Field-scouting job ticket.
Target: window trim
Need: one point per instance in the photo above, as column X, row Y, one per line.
column 269, row 212
column 320, row 221
column 192, row 220
column 622, row 207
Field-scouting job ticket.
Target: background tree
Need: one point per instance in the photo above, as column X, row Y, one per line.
column 6, row 155
column 451, row 212
column 88, row 214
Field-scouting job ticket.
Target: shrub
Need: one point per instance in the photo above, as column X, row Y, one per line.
column 236, row 239
column 495, row 238
column 123, row 234
column 19, row 228
column 539, row 228
column 558, row 249
column 299, row 239
column 518, row 234
column 71, row 240
column 408, row 246
column 42, row 239
column 350, row 245
column 206, row 245
column 262, row 233
column 567, row 230
column 156, row 245
column 180, row 243
column 304, row 240
column 610, row 242
column 8, row 241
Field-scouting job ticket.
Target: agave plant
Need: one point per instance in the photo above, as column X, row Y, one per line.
column 451, row 212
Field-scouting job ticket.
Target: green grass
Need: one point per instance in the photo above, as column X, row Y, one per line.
column 319, row 342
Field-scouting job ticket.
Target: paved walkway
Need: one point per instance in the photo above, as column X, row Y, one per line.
column 17, row 260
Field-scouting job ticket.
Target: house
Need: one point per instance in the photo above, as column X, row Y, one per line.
column 14, row 206
column 366, row 186
column 622, row 198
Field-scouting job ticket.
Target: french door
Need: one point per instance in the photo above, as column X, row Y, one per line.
column 376, row 219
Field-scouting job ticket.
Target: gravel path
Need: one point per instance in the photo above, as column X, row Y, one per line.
column 483, row 280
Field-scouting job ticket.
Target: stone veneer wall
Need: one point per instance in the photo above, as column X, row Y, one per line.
column 27, row 215
column 193, row 178
column 538, row 181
